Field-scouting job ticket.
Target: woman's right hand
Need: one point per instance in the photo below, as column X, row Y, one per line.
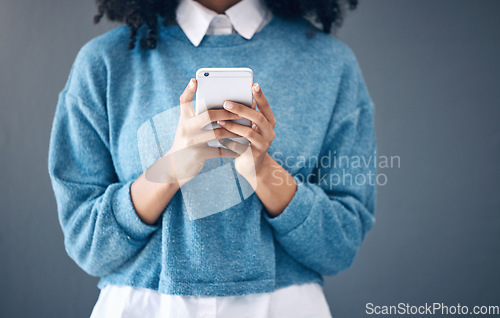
column 152, row 191
column 185, row 159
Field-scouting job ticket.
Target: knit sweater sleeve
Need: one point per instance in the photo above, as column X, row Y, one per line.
column 100, row 225
column 326, row 221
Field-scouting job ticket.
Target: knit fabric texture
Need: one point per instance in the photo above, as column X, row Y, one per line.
column 323, row 110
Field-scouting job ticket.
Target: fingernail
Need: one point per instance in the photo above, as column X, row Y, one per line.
column 256, row 87
column 191, row 83
column 254, row 126
column 227, row 105
column 221, row 122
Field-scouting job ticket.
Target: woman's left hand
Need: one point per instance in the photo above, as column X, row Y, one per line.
column 253, row 157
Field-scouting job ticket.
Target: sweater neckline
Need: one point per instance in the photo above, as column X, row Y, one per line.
column 217, row 40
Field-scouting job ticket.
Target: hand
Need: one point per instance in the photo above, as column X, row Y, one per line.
column 185, row 159
column 252, row 157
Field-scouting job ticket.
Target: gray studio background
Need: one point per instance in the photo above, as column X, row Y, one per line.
column 432, row 68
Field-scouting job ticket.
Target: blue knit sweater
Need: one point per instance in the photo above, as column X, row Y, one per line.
column 323, row 111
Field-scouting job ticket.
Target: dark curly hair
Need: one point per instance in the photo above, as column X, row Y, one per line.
column 136, row 13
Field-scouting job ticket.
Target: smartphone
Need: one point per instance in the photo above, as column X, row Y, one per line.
column 215, row 85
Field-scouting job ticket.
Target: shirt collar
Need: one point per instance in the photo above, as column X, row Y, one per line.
column 194, row 19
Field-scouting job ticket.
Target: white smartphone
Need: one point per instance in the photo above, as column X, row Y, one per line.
column 215, row 85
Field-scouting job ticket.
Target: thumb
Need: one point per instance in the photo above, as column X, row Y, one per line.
column 186, row 99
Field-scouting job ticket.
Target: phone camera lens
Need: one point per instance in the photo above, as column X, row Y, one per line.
column 206, row 74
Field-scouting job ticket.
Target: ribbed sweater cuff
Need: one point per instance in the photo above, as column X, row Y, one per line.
column 127, row 217
column 295, row 213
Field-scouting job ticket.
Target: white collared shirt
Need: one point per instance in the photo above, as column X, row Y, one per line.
column 246, row 18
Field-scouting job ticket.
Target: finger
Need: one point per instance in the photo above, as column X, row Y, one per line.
column 209, row 135
column 205, row 118
column 256, row 128
column 263, row 104
column 243, row 131
column 186, row 99
column 234, row 146
column 253, row 115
